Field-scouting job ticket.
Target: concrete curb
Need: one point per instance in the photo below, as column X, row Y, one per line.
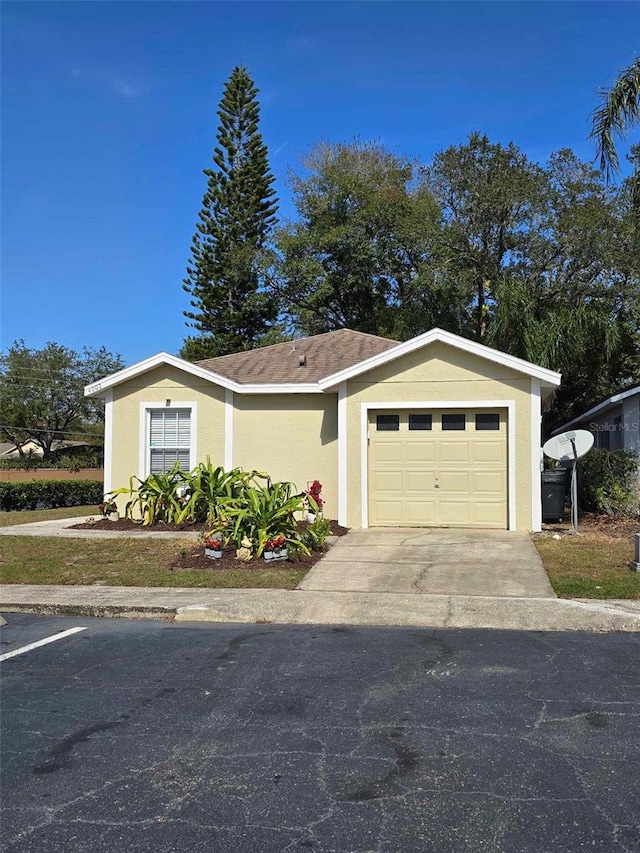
column 295, row 607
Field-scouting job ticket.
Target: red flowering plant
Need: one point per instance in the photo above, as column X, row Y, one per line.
column 275, row 544
column 107, row 507
column 214, row 544
column 314, row 491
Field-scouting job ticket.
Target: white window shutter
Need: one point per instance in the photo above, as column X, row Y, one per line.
column 169, row 439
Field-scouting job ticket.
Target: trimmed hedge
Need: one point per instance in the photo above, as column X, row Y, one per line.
column 49, row 494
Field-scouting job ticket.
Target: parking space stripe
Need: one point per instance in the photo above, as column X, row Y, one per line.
column 44, row 642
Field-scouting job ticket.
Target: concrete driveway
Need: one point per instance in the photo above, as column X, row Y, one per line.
column 434, row 561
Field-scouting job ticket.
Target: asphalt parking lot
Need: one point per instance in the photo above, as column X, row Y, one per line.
column 151, row 736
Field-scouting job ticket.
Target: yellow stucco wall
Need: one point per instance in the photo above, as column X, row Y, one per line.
column 292, row 437
column 157, row 386
column 435, row 374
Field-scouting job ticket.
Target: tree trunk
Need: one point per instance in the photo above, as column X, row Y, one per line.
column 482, row 323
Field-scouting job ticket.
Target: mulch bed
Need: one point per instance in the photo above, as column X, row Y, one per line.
column 129, row 526
column 125, row 524
column 597, row 525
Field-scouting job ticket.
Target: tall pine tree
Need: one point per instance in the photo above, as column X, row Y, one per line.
column 230, row 311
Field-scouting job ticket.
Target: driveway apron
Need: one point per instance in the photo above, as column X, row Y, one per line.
column 432, row 561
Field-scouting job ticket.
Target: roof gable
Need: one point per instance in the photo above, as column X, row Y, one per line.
column 549, row 377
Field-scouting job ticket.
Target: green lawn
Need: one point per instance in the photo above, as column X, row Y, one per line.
column 26, row 516
column 589, row 566
column 127, row 562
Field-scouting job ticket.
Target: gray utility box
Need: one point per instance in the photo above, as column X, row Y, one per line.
column 635, row 563
column 554, row 490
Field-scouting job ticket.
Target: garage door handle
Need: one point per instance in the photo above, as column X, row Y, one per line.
column 436, row 485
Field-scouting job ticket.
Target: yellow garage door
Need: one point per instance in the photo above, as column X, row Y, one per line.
column 438, row 468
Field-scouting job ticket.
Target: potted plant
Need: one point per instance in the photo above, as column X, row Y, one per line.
column 313, row 501
column 213, row 548
column 268, row 550
column 109, row 509
column 275, row 549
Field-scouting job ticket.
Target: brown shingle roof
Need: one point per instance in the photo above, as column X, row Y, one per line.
column 280, row 363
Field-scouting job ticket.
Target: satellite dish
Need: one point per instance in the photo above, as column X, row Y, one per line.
column 568, row 445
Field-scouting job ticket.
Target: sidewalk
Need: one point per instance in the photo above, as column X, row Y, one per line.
column 332, row 608
column 61, row 527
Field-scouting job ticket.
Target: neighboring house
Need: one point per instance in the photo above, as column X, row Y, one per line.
column 8, row 450
column 435, row 431
column 615, row 422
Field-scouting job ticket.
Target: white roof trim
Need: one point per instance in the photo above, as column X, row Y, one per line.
column 96, row 389
column 605, row 404
column 547, row 376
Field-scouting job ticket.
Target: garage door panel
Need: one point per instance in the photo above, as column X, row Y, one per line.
column 433, row 477
column 388, row 481
column 488, row 451
column 453, row 451
column 490, row 514
column 420, row 451
column 419, row 481
column 387, row 451
column 488, row 482
column 387, row 512
column 454, row 481
column 420, row 512
column 454, row 512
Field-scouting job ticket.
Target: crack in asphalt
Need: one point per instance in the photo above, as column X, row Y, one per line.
column 402, row 745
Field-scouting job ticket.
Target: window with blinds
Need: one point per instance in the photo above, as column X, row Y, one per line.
column 169, row 439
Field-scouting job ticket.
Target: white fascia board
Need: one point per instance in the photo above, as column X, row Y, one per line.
column 518, row 364
column 272, row 388
column 97, row 389
column 601, row 407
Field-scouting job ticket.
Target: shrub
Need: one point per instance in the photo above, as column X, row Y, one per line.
column 177, row 496
column 609, row 482
column 84, row 458
column 261, row 513
column 208, row 487
column 316, row 533
column 49, row 494
column 158, row 498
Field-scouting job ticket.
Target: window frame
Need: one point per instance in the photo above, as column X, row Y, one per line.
column 420, row 428
column 144, row 461
column 487, row 428
column 387, row 428
column 462, row 415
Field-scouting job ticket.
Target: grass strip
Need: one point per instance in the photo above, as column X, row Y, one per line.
column 127, row 562
column 26, row 516
column 589, row 567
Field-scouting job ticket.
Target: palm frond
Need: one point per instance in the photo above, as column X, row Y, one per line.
column 618, row 112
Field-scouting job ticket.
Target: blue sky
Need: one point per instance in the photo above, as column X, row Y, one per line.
column 109, row 118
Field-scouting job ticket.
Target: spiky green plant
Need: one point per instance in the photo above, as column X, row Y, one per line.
column 208, row 488
column 261, row 513
column 157, row 498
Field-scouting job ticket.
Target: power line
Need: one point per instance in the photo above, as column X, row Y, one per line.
column 60, row 431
